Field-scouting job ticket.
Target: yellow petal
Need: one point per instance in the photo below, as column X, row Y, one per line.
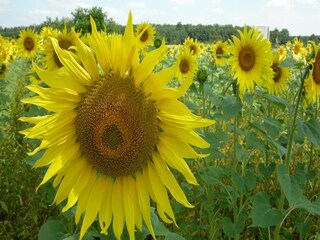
column 84, row 196
column 181, row 148
column 176, row 162
column 117, row 207
column 186, row 135
column 59, row 79
column 105, row 215
column 148, row 64
column 128, row 198
column 71, row 175
column 71, row 64
column 160, row 191
column 158, row 81
column 69, row 154
column 79, row 184
column 87, row 57
column 170, row 181
column 93, row 205
column 99, row 44
column 144, row 202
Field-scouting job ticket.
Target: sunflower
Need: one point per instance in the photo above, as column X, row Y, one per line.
column 65, row 39
column 3, row 69
column 186, row 65
column 193, row 45
column 114, row 132
column 282, row 52
column 312, row 86
column 47, row 32
column 280, row 76
column 218, row 49
column 297, row 49
column 251, row 58
column 145, row 34
column 28, row 43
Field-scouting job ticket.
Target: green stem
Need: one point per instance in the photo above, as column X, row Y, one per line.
column 235, row 164
column 289, row 151
column 293, row 126
column 203, row 101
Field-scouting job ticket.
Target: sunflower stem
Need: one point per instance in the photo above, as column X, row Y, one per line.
column 203, row 100
column 289, row 151
column 235, row 162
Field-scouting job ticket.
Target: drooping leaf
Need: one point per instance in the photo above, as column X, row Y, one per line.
column 294, row 193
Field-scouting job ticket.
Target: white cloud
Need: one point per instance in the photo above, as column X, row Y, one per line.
column 182, row 2
column 5, row 1
column 217, row 10
column 70, row 5
column 118, row 15
column 42, row 13
column 311, row 2
column 141, row 12
column 216, row 1
column 286, row 5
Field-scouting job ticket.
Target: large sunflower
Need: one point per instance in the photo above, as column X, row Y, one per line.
column 251, row 58
column 28, row 43
column 312, row 85
column 280, row 76
column 114, row 131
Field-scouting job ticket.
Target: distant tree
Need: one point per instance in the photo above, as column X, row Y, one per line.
column 81, row 19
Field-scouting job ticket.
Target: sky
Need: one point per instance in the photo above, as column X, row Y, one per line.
column 300, row 17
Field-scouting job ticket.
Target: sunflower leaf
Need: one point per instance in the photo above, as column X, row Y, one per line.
column 263, row 214
column 51, row 230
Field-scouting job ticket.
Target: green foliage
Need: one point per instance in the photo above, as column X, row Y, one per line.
column 81, row 19
column 263, row 214
column 22, row 209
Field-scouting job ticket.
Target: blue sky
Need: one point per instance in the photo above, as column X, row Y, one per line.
column 300, row 17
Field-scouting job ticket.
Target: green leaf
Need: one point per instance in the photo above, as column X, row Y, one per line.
column 281, row 149
column 51, row 230
column 263, row 214
column 287, row 63
column 279, row 102
column 245, row 184
column 3, row 97
column 213, row 175
column 232, row 229
column 294, row 193
column 311, row 129
column 273, row 126
column 216, row 139
column 173, row 236
column 252, row 141
column 267, row 170
column 230, row 107
column 4, row 206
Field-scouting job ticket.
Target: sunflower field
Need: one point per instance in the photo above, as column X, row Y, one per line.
column 121, row 136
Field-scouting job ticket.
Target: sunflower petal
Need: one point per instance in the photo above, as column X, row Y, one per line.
column 117, row 207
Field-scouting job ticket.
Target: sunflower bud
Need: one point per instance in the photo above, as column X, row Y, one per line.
column 202, row 75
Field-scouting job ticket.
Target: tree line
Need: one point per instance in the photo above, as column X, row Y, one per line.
column 173, row 33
